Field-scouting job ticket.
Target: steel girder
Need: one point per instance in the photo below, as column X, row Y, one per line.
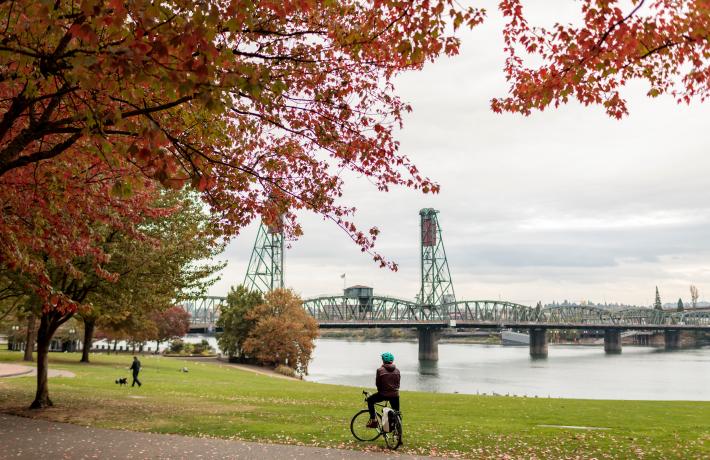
column 266, row 264
column 648, row 316
column 490, row 311
column 695, row 318
column 341, row 308
column 577, row 315
column 436, row 287
column 204, row 310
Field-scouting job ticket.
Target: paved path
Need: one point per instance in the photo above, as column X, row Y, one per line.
column 25, row 438
column 14, row 370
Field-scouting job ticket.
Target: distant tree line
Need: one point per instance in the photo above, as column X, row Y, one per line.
column 657, row 303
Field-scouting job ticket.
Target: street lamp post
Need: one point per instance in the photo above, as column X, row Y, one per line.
column 72, row 340
column 15, row 329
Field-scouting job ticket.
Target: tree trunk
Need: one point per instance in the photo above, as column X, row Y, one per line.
column 30, row 340
column 47, row 327
column 157, row 346
column 115, row 344
column 88, row 339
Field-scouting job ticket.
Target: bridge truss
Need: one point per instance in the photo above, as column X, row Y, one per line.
column 204, row 311
column 379, row 311
column 266, row 265
column 339, row 309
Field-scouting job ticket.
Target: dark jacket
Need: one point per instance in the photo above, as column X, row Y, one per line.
column 387, row 381
column 135, row 366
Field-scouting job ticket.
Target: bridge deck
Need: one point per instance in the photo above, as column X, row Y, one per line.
column 365, row 324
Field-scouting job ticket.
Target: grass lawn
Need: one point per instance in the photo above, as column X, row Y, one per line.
column 213, row 400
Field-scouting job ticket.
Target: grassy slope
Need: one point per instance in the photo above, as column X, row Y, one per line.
column 218, row 401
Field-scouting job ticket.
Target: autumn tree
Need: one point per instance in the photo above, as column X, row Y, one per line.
column 171, row 261
column 257, row 106
column 144, row 264
column 693, row 295
column 108, row 330
column 665, row 43
column 171, row 324
column 283, row 332
column 234, row 321
column 140, row 331
column 13, row 294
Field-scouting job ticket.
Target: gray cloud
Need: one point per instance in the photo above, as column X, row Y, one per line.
column 562, row 204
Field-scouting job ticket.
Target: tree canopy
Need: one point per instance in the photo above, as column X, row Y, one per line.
column 234, row 322
column 283, row 332
column 172, row 323
column 664, row 42
column 262, row 105
column 257, row 105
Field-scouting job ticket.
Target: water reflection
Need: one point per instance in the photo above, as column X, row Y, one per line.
column 429, row 367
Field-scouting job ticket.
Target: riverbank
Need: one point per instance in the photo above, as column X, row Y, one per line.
column 255, row 368
column 220, row 401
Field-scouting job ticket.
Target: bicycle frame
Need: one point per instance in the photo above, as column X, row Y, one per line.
column 392, row 439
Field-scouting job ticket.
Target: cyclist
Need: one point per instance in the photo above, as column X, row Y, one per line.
column 387, row 382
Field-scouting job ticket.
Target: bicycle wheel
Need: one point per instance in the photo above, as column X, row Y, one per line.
column 393, row 439
column 359, row 429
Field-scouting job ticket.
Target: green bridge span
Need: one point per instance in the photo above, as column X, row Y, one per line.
column 436, row 307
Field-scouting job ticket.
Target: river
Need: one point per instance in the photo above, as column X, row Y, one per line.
column 570, row 371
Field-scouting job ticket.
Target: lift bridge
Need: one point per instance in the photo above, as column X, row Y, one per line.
column 436, row 306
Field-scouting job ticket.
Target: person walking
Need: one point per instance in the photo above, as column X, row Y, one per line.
column 387, row 383
column 136, row 368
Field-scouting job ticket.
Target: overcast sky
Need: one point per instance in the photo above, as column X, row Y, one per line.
column 565, row 204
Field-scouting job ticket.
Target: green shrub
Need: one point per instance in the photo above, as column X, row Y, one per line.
column 202, row 348
column 177, row 346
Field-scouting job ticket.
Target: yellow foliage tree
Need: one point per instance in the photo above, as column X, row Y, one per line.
column 283, row 332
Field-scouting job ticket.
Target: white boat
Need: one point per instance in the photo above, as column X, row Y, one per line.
column 509, row 337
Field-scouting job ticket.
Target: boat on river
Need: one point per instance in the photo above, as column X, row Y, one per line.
column 513, row 338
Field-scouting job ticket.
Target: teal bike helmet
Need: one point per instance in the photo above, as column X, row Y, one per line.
column 387, row 357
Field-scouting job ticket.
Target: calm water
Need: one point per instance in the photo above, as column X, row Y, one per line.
column 568, row 372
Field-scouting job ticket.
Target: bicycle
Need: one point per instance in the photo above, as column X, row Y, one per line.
column 393, row 438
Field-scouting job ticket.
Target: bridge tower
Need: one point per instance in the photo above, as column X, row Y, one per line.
column 436, row 286
column 265, row 272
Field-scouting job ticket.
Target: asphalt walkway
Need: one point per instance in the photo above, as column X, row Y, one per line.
column 25, row 438
column 15, row 370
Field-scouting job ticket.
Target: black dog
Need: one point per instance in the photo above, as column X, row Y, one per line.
column 122, row 381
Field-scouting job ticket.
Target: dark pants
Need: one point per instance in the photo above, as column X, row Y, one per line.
column 372, row 399
column 135, row 380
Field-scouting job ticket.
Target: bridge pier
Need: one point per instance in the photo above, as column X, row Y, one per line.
column 612, row 341
column 538, row 343
column 428, row 344
column 672, row 339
